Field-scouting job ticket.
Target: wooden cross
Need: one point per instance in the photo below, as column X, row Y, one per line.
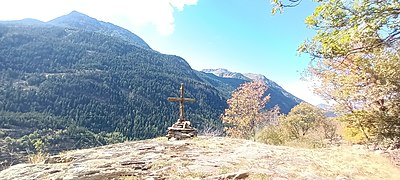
column 181, row 100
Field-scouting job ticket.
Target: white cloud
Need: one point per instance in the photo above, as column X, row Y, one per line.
column 180, row 4
column 129, row 14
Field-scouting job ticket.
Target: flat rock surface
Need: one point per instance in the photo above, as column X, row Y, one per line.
column 208, row 158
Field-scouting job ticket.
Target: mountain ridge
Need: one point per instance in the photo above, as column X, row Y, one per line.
column 79, row 20
column 25, row 21
column 286, row 100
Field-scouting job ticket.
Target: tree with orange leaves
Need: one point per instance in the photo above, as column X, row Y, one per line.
column 245, row 111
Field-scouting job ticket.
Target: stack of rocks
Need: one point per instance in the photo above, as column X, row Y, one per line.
column 181, row 130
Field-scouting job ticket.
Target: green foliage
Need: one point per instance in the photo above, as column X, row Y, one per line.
column 357, row 63
column 305, row 126
column 53, row 141
column 275, row 135
column 40, row 134
column 32, row 120
column 40, row 154
column 2, row 134
column 279, row 5
column 302, row 119
column 280, row 135
column 244, row 113
column 353, row 135
column 39, row 145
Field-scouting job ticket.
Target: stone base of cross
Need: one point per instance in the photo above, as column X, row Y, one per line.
column 182, row 129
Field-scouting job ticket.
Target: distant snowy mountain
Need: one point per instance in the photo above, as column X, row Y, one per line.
column 225, row 73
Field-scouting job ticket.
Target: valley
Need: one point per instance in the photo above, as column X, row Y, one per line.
column 76, row 82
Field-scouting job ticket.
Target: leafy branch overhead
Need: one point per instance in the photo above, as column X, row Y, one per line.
column 356, row 62
column 346, row 28
column 280, row 5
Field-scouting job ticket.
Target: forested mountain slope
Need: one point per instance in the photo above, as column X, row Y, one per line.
column 97, row 81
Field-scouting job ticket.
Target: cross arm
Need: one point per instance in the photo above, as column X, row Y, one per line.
column 181, row 99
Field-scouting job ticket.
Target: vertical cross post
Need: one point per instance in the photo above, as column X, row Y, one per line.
column 181, row 101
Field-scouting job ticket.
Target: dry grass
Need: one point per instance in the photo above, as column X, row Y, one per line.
column 260, row 176
column 128, row 178
column 345, row 162
column 291, row 163
column 161, row 139
column 306, row 142
column 355, row 164
column 37, row 158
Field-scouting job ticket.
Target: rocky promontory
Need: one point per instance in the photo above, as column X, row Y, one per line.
column 208, row 158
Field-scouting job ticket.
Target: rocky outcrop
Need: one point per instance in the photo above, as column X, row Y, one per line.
column 207, row 158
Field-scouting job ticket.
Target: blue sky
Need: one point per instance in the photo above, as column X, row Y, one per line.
column 238, row 35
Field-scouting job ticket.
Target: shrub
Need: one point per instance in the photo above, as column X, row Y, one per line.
column 353, row 135
column 305, row 126
column 37, row 157
column 2, row 134
column 211, row 131
column 301, row 119
column 274, row 135
column 329, row 128
column 306, row 142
